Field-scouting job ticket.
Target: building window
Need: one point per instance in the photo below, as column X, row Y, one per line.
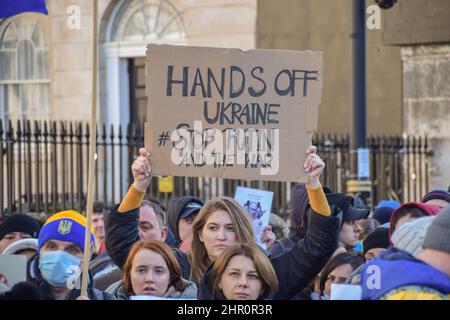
column 149, row 20
column 24, row 70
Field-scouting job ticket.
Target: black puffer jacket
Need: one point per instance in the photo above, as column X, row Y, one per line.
column 122, row 231
column 286, row 244
column 297, row 267
column 34, row 276
column 174, row 210
column 104, row 271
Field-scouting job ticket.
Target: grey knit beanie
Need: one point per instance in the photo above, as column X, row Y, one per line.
column 438, row 234
column 410, row 236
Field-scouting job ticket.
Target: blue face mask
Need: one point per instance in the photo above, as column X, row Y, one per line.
column 59, row 268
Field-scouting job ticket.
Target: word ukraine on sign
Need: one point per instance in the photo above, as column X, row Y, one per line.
column 230, row 113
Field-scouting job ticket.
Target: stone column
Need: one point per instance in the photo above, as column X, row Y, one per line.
column 426, row 104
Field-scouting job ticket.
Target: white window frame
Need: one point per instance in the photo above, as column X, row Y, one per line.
column 4, row 114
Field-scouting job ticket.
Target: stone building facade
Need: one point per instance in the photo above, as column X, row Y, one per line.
column 422, row 30
column 62, row 47
column 408, row 59
column 408, row 67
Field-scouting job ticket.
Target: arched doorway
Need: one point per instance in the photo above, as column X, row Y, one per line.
column 127, row 27
column 131, row 26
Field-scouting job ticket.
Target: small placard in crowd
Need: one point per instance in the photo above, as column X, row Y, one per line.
column 258, row 204
column 13, row 269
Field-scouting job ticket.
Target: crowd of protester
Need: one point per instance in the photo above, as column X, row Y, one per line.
column 206, row 250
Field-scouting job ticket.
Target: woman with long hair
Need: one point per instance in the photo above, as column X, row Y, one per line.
column 242, row 272
column 337, row 271
column 222, row 222
column 151, row 269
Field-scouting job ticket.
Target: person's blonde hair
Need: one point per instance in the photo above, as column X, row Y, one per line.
column 263, row 266
column 199, row 258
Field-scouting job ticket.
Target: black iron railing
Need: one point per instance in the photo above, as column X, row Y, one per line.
column 43, row 167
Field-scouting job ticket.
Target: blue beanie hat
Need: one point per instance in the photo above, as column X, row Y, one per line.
column 383, row 214
column 65, row 226
column 436, row 194
column 389, row 203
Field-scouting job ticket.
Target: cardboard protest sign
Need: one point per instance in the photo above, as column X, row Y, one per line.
column 13, row 269
column 230, row 113
column 258, row 204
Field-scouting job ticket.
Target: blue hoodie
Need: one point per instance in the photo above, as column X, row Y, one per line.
column 400, row 269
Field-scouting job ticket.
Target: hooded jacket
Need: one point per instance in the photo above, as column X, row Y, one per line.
column 401, row 276
column 174, row 210
column 34, row 276
column 122, row 231
column 299, row 204
column 297, row 267
column 190, row 291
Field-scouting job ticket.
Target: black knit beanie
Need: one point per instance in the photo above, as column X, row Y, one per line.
column 19, row 222
column 379, row 238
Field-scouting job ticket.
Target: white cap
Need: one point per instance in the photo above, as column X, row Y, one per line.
column 23, row 244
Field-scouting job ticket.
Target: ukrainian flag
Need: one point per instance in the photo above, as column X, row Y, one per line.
column 10, row 8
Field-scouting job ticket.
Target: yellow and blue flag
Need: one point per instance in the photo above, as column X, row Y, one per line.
column 10, row 8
